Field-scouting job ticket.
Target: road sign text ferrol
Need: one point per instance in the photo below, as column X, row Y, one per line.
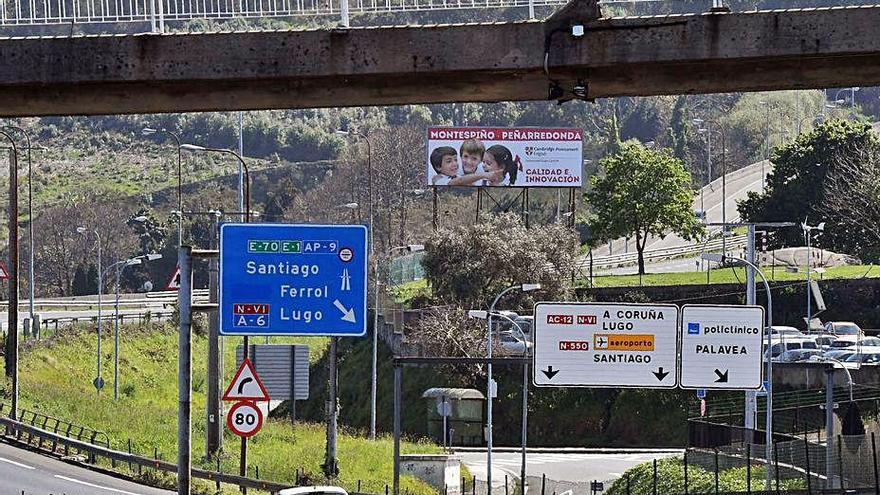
column 278, row 279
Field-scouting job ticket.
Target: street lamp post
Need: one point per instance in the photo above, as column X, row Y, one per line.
column 490, row 385
column 376, row 267
column 148, row 131
column 119, row 266
column 769, row 315
column 12, row 313
column 99, row 381
column 708, row 130
column 31, row 267
column 244, row 199
column 525, row 391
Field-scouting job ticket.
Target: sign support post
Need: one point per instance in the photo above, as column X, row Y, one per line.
column 184, row 372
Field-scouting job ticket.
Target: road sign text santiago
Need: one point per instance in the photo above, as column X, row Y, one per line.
column 278, row 279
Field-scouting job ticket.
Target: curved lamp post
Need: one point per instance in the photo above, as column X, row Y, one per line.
column 769, row 314
column 490, row 383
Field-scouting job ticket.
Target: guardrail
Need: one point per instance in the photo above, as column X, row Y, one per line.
column 73, row 320
column 734, row 242
column 50, row 441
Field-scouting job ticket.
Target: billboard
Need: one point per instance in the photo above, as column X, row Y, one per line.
column 504, row 157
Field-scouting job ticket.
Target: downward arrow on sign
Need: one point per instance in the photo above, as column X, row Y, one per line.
column 722, row 377
column 550, row 372
column 660, row 374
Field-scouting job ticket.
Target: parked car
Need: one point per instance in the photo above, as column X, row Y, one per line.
column 781, row 345
column 512, row 344
column 839, row 354
column 845, row 330
column 866, row 356
column 778, row 330
column 798, row 355
column 824, row 341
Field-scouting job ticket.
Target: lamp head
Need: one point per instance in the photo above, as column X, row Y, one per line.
column 148, row 131
column 154, row 256
column 478, row 314
column 821, row 227
column 140, row 218
column 717, row 258
column 133, row 261
column 340, row 132
column 81, row 230
column 192, row 147
column 415, row 248
column 530, row 287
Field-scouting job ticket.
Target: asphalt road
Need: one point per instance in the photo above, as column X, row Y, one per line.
column 23, row 471
column 560, row 466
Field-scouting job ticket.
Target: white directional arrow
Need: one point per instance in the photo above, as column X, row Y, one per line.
column 347, row 314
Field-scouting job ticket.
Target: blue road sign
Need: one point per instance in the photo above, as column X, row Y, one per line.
column 701, row 393
column 278, row 279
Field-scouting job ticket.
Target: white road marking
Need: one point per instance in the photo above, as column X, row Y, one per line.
column 16, row 463
column 65, row 478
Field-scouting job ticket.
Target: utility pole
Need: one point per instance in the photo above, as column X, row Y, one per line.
column 12, row 335
column 184, row 372
column 213, row 436
column 331, row 469
column 751, row 406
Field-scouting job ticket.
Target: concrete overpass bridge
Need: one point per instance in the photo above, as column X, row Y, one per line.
column 530, row 60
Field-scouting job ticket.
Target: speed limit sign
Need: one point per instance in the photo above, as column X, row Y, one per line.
column 244, row 419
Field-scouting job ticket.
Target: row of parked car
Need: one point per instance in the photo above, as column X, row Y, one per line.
column 841, row 341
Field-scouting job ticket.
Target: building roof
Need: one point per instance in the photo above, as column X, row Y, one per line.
column 453, row 393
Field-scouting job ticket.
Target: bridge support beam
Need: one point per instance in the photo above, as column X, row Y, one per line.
column 705, row 53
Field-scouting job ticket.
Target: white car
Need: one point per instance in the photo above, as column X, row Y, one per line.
column 313, row 490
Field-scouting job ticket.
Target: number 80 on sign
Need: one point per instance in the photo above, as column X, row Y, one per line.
column 244, row 419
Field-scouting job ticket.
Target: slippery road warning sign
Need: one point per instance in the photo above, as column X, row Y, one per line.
column 721, row 347
column 605, row 345
column 246, row 385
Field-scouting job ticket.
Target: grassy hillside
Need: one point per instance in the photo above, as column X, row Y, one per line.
column 56, row 379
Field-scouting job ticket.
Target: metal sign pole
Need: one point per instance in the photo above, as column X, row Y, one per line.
column 184, row 373
column 213, row 435
column 12, row 337
column 397, row 407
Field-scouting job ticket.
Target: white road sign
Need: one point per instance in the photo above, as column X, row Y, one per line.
column 721, row 347
column 244, row 419
column 246, row 385
column 605, row 345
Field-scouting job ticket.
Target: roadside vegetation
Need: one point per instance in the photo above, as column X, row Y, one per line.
column 670, row 479
column 56, row 379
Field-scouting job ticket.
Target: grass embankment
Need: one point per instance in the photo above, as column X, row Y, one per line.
column 729, row 276
column 405, row 292
column 57, row 379
column 670, row 479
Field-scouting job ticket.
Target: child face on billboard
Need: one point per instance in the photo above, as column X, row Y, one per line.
column 449, row 165
column 469, row 162
column 491, row 165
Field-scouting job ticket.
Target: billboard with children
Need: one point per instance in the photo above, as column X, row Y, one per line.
column 504, row 157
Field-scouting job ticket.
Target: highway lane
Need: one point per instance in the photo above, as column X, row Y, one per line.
column 34, row 474
column 562, row 466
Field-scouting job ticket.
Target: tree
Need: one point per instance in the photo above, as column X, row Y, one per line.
column 468, row 265
column 852, row 196
column 643, row 192
column 803, row 170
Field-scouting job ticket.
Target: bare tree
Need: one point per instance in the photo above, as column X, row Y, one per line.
column 852, row 191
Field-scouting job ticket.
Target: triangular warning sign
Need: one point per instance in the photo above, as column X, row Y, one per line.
column 174, row 281
column 246, row 385
column 4, row 272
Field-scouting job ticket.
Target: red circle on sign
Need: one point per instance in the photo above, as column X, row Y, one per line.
column 244, row 419
column 346, row 254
